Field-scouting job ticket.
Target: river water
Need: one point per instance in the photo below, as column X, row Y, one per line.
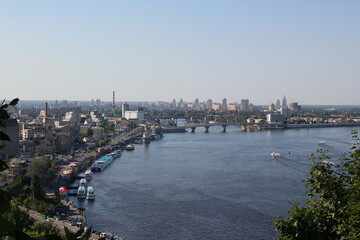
column 207, row 185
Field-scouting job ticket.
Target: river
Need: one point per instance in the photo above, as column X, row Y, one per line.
column 207, row 185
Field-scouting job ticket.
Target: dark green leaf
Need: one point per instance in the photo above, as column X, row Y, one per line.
column 87, row 234
column 3, row 165
column 8, row 229
column 4, row 137
column 50, row 237
column 14, row 102
column 4, row 114
column 5, row 201
column 69, row 235
column 4, row 106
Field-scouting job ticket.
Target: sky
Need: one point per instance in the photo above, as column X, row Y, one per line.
column 307, row 50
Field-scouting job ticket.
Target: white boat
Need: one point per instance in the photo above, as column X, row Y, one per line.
column 321, row 142
column 129, row 147
column 275, row 154
column 154, row 136
column 81, row 193
column 115, row 154
column 88, row 175
column 83, row 182
column 90, row 195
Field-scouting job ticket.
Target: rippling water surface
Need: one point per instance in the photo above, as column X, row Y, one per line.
column 207, row 185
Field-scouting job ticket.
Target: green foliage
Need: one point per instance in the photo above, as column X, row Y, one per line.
column 18, row 217
column 42, row 167
column 80, row 234
column 36, row 188
column 45, row 227
column 108, row 127
column 89, row 132
column 132, row 125
column 332, row 208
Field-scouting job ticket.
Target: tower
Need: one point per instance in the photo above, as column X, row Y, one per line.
column 277, row 104
column 284, row 102
column 113, row 106
column 46, row 120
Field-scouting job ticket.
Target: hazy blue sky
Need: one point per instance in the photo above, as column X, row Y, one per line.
column 160, row 50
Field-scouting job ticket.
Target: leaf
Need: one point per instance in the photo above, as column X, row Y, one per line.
column 5, row 203
column 3, row 165
column 4, row 137
column 9, row 229
column 50, row 237
column 4, row 106
column 79, row 232
column 69, row 235
column 14, row 102
column 87, row 234
column 3, row 114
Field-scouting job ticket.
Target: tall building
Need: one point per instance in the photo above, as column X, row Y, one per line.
column 295, row 107
column 244, row 105
column 173, row 105
column 277, row 104
column 11, row 149
column 209, row 104
column 224, row 104
column 271, row 107
column 124, row 108
column 181, row 103
column 284, row 103
column 196, row 105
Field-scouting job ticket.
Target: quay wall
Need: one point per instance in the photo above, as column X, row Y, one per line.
column 321, row 125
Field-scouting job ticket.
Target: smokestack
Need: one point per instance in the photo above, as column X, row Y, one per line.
column 113, row 103
column 46, row 117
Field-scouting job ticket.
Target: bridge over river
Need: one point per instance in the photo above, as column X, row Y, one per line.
column 206, row 126
column 254, row 126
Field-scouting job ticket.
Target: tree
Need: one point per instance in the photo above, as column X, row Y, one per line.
column 332, row 207
column 44, row 227
column 36, row 188
column 89, row 132
column 18, row 217
column 42, row 167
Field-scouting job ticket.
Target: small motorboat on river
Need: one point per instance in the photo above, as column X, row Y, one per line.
column 129, row 147
column 275, row 154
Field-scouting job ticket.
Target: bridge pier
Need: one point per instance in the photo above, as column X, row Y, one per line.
column 193, row 129
column 206, row 129
column 223, row 128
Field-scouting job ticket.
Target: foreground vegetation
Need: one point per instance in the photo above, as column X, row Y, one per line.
column 332, row 207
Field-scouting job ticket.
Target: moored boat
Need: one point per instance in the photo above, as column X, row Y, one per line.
column 83, row 182
column 90, row 195
column 88, row 175
column 129, row 147
column 81, row 193
column 102, row 163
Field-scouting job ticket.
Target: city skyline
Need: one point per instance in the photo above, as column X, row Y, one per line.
column 159, row 50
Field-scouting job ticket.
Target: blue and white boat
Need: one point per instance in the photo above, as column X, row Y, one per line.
column 102, row 163
column 90, row 195
column 81, row 193
column 83, row 182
